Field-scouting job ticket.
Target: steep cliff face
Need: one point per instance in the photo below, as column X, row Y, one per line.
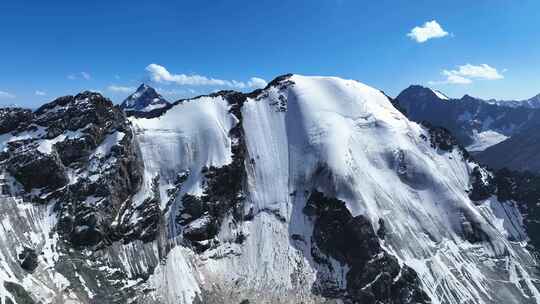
column 69, row 169
column 313, row 190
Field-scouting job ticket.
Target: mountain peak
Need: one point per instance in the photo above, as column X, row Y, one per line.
column 420, row 92
column 468, row 97
column 144, row 87
column 144, row 99
column 534, row 102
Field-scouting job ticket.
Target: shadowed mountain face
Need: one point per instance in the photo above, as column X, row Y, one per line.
column 311, row 190
column 476, row 123
column 145, row 99
column 521, row 152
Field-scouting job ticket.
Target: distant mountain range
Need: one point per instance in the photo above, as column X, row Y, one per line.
column 533, row 103
column 476, row 123
column 499, row 133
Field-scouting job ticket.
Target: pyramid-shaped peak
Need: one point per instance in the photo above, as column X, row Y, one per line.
column 145, row 99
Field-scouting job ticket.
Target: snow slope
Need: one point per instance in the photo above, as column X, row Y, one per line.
column 223, row 207
column 485, row 139
column 191, row 135
column 440, row 95
column 344, row 139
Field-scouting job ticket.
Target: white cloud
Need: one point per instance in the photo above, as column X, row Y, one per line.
column 40, row 93
column 429, row 30
column 452, row 79
column 456, row 79
column 6, row 95
column 464, row 74
column 482, row 71
column 160, row 74
column 256, row 82
column 80, row 75
column 176, row 92
column 120, row 89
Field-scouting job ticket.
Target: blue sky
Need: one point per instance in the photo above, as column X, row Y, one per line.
column 53, row 48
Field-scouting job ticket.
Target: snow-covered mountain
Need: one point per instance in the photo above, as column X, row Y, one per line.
column 311, row 190
column 532, row 103
column 144, row 99
column 476, row 123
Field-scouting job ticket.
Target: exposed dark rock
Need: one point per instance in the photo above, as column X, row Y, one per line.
column 381, row 232
column 29, row 259
column 34, row 169
column 148, row 215
column 240, row 238
column 77, row 149
column 12, row 118
column 83, row 235
column 441, row 138
column 374, row 276
column 192, row 208
column 203, row 228
column 482, row 186
column 89, row 139
column 281, row 83
column 77, row 112
column 523, row 188
column 18, row 292
column 149, row 114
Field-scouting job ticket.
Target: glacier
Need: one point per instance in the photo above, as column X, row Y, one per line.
column 252, row 240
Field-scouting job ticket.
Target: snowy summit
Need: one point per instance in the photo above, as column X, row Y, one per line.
column 145, row 99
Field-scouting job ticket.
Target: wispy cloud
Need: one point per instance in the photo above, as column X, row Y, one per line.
column 176, row 92
column 80, row 75
column 40, row 93
column 6, row 95
column 160, row 74
column 120, row 89
column 465, row 74
column 85, row 75
column 431, row 29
